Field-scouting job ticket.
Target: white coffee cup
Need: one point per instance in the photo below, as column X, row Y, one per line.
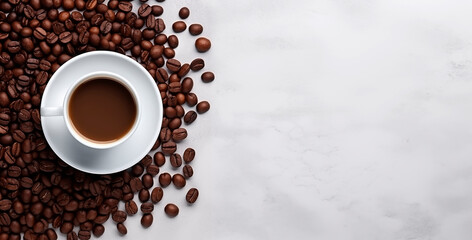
column 63, row 110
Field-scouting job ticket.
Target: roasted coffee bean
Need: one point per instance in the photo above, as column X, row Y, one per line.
column 157, row 10
column 173, row 65
column 84, row 235
column 169, row 147
column 184, row 13
column 203, row 107
column 105, row 27
column 190, row 117
column 184, row 70
column 131, row 207
column 146, row 220
column 187, row 171
column 5, row 204
column 192, row 195
column 148, row 181
column 171, row 210
column 207, row 77
column 157, row 194
column 159, row 159
column 65, row 37
column 164, row 179
column 144, row 10
column 160, row 25
column 197, row 64
column 98, row 230
column 152, row 169
column 178, row 135
column 72, row 236
column 125, row 6
column 189, row 155
column 187, row 85
column 136, row 184
column 39, row 33
column 173, row 41
column 176, row 160
column 143, row 195
column 202, row 44
column 178, row 180
column 195, row 29
column 147, row 207
column 122, row 229
column 161, row 74
column 191, row 99
column 91, row 4
column 119, row 216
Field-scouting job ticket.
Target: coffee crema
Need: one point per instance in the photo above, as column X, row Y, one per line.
column 102, row 110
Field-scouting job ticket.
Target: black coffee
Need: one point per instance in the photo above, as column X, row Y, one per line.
column 102, row 110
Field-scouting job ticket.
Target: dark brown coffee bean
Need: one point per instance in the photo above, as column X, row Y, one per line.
column 4, row 119
column 171, row 210
column 178, row 135
column 164, row 179
column 197, row 64
column 157, row 10
column 105, row 27
column 202, row 44
column 119, row 216
column 173, row 65
column 161, row 75
column 207, row 77
column 65, row 37
column 157, row 194
column 125, row 6
column 146, row 220
column 195, row 29
column 176, row 160
column 187, row 171
column 84, row 235
column 122, row 229
column 169, row 147
column 5, row 204
column 189, row 155
column 184, row 70
column 179, row 26
column 191, row 99
column 173, row 41
column 192, row 195
column 203, row 107
column 135, row 184
column 174, row 87
column 148, row 181
column 159, row 159
column 152, row 169
column 187, row 86
column 143, row 195
column 39, row 33
column 178, row 180
column 72, row 236
column 160, row 25
column 98, row 230
column 91, row 5
column 190, row 117
column 147, row 207
column 144, row 10
column 184, row 13
column 131, row 207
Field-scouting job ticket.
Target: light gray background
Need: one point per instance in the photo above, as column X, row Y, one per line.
column 330, row 119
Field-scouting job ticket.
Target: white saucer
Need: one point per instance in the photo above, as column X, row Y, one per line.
column 128, row 153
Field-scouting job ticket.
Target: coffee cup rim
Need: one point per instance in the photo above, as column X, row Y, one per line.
column 88, row 77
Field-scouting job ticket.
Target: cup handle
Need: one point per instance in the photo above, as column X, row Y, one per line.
column 51, row 111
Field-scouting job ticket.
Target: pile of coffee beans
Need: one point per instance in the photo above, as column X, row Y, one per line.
column 40, row 195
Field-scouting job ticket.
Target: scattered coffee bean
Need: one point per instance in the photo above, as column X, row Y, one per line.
column 192, row 195
column 131, row 207
column 171, row 210
column 203, row 107
column 184, row 13
column 195, row 29
column 197, row 64
column 175, row 160
column 179, row 180
column 146, row 220
column 122, row 229
column 156, row 194
column 190, row 117
column 98, row 230
column 202, row 44
column 189, row 155
column 164, row 180
column 208, row 77
column 187, row 171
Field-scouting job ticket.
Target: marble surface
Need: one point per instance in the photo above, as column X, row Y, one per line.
column 330, row 119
